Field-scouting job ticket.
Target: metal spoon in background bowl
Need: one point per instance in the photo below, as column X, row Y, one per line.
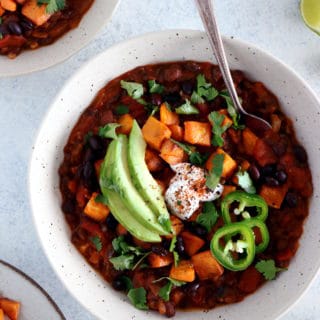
column 205, row 8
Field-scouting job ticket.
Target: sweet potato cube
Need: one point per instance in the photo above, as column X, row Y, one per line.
column 96, row 210
column 168, row 117
column 192, row 243
column 153, row 161
column 274, row 196
column 227, row 189
column 229, row 165
column 263, row 153
column 126, row 122
column 155, row 132
column 10, row 307
column 176, row 132
column 157, row 261
column 36, row 13
column 184, row 271
column 249, row 140
column 226, row 121
column 172, row 153
column 197, row 133
column 9, row 5
column 206, row 266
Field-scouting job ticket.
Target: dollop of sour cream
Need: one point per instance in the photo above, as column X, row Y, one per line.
column 187, row 188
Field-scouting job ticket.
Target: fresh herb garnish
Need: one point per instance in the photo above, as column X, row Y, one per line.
column 155, row 87
column 173, row 243
column 216, row 120
column 268, row 269
column 97, row 242
column 134, row 89
column 165, row 291
column 100, row 198
column 245, row 181
column 151, row 109
column 121, row 109
column 127, row 282
column 214, row 175
column 165, row 222
column 129, row 257
column 138, row 297
column 53, row 5
column 205, row 91
column 235, row 116
column 176, row 257
column 187, row 108
column 109, row 131
column 195, row 157
column 209, row 216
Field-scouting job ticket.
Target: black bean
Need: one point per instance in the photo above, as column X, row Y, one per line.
column 268, row 170
column 27, row 25
column 254, row 172
column 172, row 98
column 300, row 154
column 281, row 176
column 156, row 99
column 68, row 206
column 272, row 182
column 4, row 29
column 159, row 250
column 95, row 142
column 192, row 288
column 88, row 156
column 180, row 245
column 111, row 222
column 166, row 243
column 291, row 199
column 87, row 171
column 15, row 28
column 118, row 284
column 199, row 230
column 187, row 87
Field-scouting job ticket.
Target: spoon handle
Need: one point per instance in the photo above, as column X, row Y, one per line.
column 205, row 8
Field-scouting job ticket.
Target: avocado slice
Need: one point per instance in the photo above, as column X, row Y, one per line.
column 142, row 179
column 117, row 207
column 121, row 183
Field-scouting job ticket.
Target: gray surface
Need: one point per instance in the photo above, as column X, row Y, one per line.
column 273, row 25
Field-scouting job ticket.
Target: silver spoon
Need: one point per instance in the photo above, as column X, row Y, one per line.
column 205, row 8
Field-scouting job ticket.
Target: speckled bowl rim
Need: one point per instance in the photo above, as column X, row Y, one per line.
column 33, row 283
column 30, row 61
column 272, row 291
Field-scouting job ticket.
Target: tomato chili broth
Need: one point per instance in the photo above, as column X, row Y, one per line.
column 279, row 154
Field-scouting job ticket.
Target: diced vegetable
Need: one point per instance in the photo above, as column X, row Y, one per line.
column 228, row 189
column 177, row 224
column 229, row 165
column 197, row 133
column 184, row 271
column 206, row 266
column 172, row 153
column 10, row 307
column 177, row 132
column 274, row 196
column 9, row 5
column 153, row 161
column 1, row 314
column 192, row 243
column 96, row 210
column 227, row 120
column 36, row 13
column 126, row 122
column 157, row 261
column 155, row 132
column 249, row 140
column 168, row 117
column 263, row 153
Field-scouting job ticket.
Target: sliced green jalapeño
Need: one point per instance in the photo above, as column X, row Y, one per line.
column 243, row 200
column 235, row 255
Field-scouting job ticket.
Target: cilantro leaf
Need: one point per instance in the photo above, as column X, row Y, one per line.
column 173, row 243
column 245, row 181
column 235, row 116
column 100, row 198
column 151, row 109
column 176, row 258
column 134, row 89
column 97, row 242
column 109, row 131
column 127, row 282
column 214, row 175
column 187, row 108
column 205, row 89
column 268, row 268
column 121, row 109
column 164, row 292
column 195, row 98
column 53, row 5
column 209, row 216
column 123, row 262
column 155, row 87
column 121, row 247
column 216, row 119
column 138, row 297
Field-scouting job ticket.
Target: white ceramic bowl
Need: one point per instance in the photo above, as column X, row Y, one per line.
column 298, row 102
column 34, row 60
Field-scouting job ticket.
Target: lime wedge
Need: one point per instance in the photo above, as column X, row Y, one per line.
column 310, row 11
